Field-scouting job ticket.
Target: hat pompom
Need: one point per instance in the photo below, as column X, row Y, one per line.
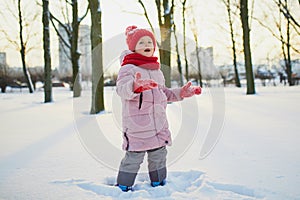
column 130, row 29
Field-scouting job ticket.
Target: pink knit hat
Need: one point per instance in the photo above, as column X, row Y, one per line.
column 133, row 34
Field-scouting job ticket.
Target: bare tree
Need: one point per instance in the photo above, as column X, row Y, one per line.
column 184, row 39
column 47, row 57
column 165, row 21
column 286, row 46
column 247, row 49
column 234, row 53
column 20, row 33
column 72, row 44
column 21, row 43
column 23, row 50
column 97, row 58
column 283, row 32
column 197, row 49
column 179, row 67
column 75, row 54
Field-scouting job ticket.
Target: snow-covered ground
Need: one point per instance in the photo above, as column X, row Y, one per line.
column 53, row 151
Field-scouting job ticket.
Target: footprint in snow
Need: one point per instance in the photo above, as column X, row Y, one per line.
column 180, row 185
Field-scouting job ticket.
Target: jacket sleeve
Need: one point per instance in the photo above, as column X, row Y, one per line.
column 125, row 83
column 173, row 94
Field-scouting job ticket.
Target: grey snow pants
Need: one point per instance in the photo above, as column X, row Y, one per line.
column 130, row 166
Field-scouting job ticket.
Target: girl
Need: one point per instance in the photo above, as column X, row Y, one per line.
column 141, row 86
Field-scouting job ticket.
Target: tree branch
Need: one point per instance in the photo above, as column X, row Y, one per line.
column 285, row 11
column 69, row 2
column 146, row 15
column 158, row 4
column 58, row 33
column 85, row 14
column 277, row 37
column 58, row 21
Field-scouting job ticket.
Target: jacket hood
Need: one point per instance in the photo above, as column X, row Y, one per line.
column 123, row 54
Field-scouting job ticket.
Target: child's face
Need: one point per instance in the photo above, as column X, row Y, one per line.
column 145, row 46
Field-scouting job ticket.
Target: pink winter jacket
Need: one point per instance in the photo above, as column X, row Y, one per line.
column 144, row 119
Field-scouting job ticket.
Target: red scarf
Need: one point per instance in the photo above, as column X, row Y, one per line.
column 141, row 61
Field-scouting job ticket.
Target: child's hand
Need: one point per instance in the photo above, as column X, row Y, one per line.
column 142, row 85
column 187, row 90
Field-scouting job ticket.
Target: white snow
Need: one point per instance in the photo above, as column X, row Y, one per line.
column 53, row 151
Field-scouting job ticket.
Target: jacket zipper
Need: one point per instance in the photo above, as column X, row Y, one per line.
column 127, row 146
column 140, row 100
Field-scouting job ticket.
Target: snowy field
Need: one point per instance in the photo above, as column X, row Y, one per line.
column 52, row 151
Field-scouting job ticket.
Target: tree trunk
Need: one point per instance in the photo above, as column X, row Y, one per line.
column 288, row 49
column 179, row 67
column 97, row 58
column 247, row 51
column 197, row 48
column 165, row 24
column 23, row 50
column 75, row 55
column 237, row 78
column 184, row 41
column 47, row 57
column 198, row 62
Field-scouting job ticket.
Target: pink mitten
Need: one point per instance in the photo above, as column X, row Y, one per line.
column 188, row 90
column 142, row 85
